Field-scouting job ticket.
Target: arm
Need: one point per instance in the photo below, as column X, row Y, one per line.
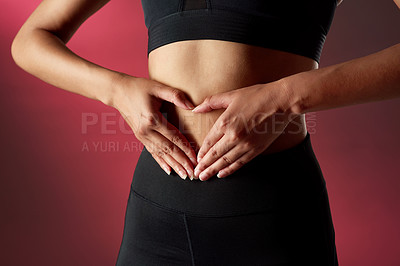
column 371, row 78
column 231, row 144
column 40, row 49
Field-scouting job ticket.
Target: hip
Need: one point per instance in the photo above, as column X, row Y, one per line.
column 275, row 182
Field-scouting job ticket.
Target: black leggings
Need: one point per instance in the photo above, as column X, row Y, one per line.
column 272, row 211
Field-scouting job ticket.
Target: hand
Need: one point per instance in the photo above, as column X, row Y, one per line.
column 139, row 101
column 254, row 117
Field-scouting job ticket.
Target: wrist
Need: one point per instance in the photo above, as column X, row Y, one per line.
column 116, row 91
column 300, row 92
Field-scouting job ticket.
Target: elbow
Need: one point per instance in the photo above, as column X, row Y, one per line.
column 21, row 47
column 17, row 47
column 14, row 50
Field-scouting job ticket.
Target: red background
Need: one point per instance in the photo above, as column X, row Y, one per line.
column 64, row 206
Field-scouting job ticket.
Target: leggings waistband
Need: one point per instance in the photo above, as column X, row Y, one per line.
column 263, row 184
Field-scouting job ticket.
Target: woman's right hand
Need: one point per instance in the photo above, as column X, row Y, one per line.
column 139, row 101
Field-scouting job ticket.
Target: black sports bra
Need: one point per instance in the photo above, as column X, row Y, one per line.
column 295, row 26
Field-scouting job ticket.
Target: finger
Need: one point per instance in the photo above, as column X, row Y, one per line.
column 210, row 140
column 214, row 135
column 173, row 95
column 172, row 154
column 213, row 102
column 223, row 162
column 158, row 153
column 217, row 151
column 216, row 132
column 176, row 166
column 245, row 158
column 162, row 164
column 170, row 132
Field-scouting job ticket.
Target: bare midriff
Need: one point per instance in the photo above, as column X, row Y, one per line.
column 205, row 67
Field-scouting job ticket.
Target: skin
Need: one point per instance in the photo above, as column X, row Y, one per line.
column 40, row 49
column 227, row 146
column 225, row 131
column 202, row 68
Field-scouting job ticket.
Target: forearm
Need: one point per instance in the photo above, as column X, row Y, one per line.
column 45, row 56
column 371, row 78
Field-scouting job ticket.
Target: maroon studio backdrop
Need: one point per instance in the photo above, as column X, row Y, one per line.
column 67, row 161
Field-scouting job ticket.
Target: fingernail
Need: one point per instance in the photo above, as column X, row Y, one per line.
column 189, row 173
column 220, row 174
column 203, row 176
column 182, row 174
column 189, row 105
column 198, row 159
column 196, row 171
column 193, row 160
column 167, row 171
column 195, row 109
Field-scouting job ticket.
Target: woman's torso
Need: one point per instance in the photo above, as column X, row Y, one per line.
column 205, row 67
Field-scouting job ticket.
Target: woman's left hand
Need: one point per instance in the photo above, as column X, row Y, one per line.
column 254, row 117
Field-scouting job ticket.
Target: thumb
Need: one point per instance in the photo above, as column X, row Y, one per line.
column 213, row 102
column 173, row 95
